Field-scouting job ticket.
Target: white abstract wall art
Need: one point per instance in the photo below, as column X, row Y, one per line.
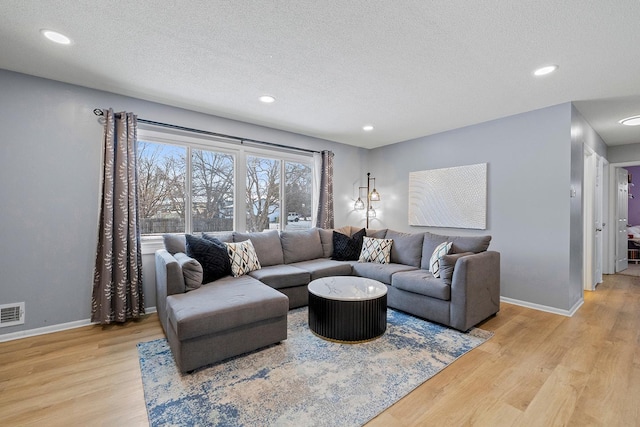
column 450, row 197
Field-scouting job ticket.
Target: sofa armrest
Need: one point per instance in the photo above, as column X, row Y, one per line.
column 169, row 281
column 475, row 289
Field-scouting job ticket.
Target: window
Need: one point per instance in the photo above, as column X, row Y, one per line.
column 192, row 185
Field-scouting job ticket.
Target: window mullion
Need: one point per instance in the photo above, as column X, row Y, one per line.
column 283, row 197
column 188, row 193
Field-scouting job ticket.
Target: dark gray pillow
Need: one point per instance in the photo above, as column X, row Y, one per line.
column 211, row 254
column 267, row 245
column 347, row 248
column 174, row 243
column 301, row 245
column 475, row 244
column 191, row 271
column 223, row 236
column 447, row 263
column 406, row 248
column 430, row 243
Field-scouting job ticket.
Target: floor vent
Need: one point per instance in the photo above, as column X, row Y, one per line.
column 11, row 314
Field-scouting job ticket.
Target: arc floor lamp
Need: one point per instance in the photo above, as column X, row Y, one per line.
column 372, row 196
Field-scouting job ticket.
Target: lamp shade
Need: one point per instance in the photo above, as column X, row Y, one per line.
column 374, row 196
column 371, row 213
column 359, row 205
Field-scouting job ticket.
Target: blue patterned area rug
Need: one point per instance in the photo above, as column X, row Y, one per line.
column 305, row 380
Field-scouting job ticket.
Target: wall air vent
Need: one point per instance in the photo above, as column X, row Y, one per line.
column 11, row 314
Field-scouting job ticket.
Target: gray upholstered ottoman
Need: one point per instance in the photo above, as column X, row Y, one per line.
column 225, row 318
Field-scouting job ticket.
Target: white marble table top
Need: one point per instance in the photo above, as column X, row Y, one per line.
column 347, row 288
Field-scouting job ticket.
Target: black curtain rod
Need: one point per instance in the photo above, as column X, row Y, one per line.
column 99, row 112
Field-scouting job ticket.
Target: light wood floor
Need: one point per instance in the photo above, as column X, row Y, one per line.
column 539, row 369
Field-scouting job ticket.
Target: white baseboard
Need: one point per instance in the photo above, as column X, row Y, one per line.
column 540, row 307
column 54, row 328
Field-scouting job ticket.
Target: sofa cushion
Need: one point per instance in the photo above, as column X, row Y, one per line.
column 347, row 248
column 174, row 243
column 475, row 244
column 191, row 271
column 406, row 249
column 380, row 272
column 282, row 276
column 326, row 237
column 434, row 262
column 301, row 245
column 429, row 244
column 323, row 267
column 228, row 303
column 376, row 250
column 211, row 254
column 422, row 282
column 377, row 234
column 242, row 257
column 447, row 263
column 267, row 245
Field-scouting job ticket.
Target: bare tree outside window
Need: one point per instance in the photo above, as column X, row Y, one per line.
column 263, row 192
column 213, row 190
column 161, row 177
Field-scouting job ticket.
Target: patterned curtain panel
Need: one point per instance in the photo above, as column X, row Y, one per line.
column 325, row 205
column 117, row 283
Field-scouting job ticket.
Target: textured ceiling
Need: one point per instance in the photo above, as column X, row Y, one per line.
column 409, row 67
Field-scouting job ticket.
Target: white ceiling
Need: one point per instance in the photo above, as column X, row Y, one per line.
column 408, row 67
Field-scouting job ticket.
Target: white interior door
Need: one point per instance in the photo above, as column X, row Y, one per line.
column 622, row 181
column 599, row 224
column 588, row 220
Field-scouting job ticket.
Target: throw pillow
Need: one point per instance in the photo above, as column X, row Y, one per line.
column 447, row 263
column 243, row 258
column 211, row 254
column 191, row 271
column 434, row 263
column 347, row 248
column 376, row 250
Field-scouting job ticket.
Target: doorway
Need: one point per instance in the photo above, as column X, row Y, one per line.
column 617, row 260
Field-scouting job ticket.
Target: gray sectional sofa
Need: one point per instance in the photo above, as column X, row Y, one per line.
column 234, row 315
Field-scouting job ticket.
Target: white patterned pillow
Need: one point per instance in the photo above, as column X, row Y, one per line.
column 376, row 250
column 434, row 263
column 243, row 258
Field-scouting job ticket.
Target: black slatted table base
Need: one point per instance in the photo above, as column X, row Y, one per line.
column 348, row 320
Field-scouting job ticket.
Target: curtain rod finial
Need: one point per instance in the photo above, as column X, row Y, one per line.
column 98, row 112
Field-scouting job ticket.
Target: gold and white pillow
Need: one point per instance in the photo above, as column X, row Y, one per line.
column 243, row 258
column 434, row 263
column 376, row 250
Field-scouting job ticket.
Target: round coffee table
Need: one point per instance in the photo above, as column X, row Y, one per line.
column 347, row 308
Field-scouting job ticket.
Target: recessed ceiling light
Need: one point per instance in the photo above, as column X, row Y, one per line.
column 543, row 71
column 267, row 99
column 56, row 37
column 631, row 121
column 367, row 128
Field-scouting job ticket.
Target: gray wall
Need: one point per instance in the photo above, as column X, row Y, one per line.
column 624, row 153
column 529, row 165
column 50, row 154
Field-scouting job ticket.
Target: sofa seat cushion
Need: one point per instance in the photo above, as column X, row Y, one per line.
column 422, row 282
column 380, row 272
column 323, row 267
column 282, row 276
column 225, row 304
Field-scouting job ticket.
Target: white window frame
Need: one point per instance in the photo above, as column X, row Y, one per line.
column 239, row 151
